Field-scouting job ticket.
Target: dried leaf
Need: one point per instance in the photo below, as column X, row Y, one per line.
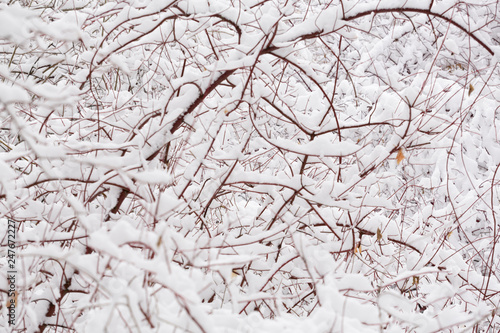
column 400, row 155
column 358, row 249
column 416, row 280
column 379, row 234
column 12, row 300
column 471, row 89
column 234, row 274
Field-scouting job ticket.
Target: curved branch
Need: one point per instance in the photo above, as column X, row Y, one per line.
column 421, row 11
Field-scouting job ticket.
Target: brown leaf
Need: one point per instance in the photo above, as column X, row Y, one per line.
column 416, row 280
column 12, row 300
column 400, row 155
column 379, row 234
column 471, row 89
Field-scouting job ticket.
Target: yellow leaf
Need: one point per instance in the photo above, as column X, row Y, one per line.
column 400, row 155
column 416, row 280
column 358, row 249
column 471, row 89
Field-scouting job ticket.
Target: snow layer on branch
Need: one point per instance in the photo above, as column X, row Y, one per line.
column 218, row 166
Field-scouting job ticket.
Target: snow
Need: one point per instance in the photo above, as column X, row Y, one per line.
column 218, row 166
column 15, row 24
column 12, row 94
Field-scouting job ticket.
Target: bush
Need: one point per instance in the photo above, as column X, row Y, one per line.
column 222, row 166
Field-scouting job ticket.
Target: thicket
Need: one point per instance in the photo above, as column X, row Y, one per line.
column 251, row 166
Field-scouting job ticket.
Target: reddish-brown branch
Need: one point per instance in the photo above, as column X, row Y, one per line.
column 377, row 11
